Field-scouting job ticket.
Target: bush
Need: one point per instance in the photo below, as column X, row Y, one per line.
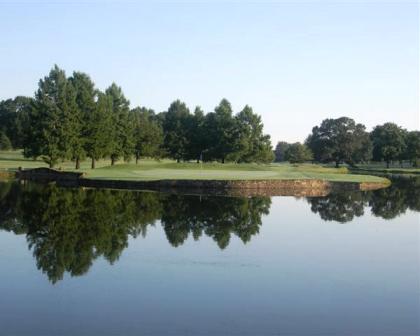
column 5, row 143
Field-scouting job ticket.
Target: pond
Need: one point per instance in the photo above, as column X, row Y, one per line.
column 79, row 261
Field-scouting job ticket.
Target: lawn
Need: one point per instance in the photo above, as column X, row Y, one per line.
column 148, row 170
column 394, row 168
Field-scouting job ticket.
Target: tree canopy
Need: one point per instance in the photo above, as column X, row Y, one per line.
column 298, row 153
column 339, row 140
column 388, row 142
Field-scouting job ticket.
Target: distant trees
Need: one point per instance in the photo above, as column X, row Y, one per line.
column 298, row 153
column 339, row 140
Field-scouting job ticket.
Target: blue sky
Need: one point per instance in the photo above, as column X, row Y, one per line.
column 295, row 63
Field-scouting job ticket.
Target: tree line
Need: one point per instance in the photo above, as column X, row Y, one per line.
column 342, row 140
column 70, row 119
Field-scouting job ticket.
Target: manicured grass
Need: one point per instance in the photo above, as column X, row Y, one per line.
column 148, row 170
column 395, row 168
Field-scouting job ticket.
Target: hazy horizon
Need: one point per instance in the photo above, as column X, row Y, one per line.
column 295, row 64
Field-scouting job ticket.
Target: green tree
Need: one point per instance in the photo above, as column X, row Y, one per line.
column 175, row 129
column 196, row 133
column 388, row 142
column 122, row 139
column 52, row 133
column 148, row 134
column 280, row 150
column 413, row 147
column 14, row 119
column 99, row 125
column 85, row 105
column 252, row 145
column 224, row 140
column 5, row 143
column 338, row 140
column 298, row 153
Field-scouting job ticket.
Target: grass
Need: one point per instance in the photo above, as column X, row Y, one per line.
column 148, row 170
column 394, row 168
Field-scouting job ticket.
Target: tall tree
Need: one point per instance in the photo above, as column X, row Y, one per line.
column 122, row 139
column 148, row 135
column 337, row 140
column 250, row 143
column 85, row 105
column 197, row 146
column 99, row 126
column 388, row 142
column 223, row 141
column 52, row 121
column 175, row 122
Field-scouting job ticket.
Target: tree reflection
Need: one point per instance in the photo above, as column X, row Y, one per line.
column 403, row 194
column 388, row 203
column 340, row 207
column 67, row 229
column 215, row 216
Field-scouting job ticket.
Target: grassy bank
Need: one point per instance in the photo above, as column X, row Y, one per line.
column 394, row 169
column 148, row 170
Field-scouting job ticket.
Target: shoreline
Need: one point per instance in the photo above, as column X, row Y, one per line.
column 266, row 187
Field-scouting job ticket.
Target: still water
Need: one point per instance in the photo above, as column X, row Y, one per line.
column 107, row 262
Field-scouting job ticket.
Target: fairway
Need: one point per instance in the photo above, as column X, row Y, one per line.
column 150, row 170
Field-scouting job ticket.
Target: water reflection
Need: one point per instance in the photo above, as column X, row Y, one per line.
column 403, row 194
column 67, row 229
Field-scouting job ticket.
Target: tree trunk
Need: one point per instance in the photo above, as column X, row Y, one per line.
column 93, row 164
column 77, row 163
column 112, row 161
column 178, row 161
column 387, row 164
column 337, row 164
column 51, row 165
column 137, row 159
column 223, row 160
